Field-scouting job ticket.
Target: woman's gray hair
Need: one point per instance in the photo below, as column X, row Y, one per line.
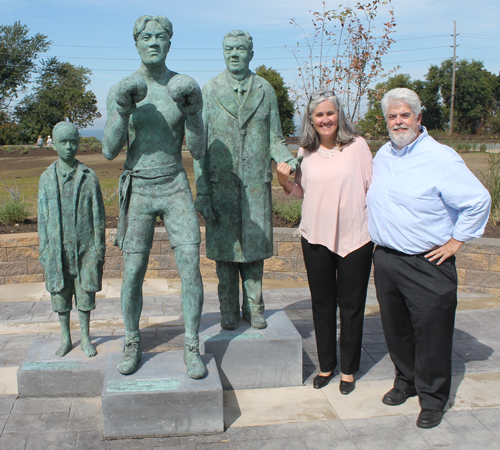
column 310, row 137
column 141, row 22
column 401, row 95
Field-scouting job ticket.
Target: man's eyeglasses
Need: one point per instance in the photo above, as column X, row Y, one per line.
column 322, row 94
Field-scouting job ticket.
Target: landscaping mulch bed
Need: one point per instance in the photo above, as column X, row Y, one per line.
column 30, row 225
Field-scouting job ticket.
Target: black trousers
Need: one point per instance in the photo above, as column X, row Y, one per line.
column 333, row 281
column 418, row 300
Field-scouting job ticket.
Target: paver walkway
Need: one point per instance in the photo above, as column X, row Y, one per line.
column 286, row 418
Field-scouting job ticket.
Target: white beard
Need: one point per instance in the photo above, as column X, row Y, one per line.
column 403, row 139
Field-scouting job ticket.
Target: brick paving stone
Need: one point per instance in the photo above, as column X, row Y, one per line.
column 36, row 423
column 270, row 444
column 13, row 441
column 316, row 435
column 263, row 432
column 42, row 406
column 90, row 440
column 6, row 404
column 215, row 446
column 86, row 414
column 52, row 441
column 356, row 427
column 378, row 441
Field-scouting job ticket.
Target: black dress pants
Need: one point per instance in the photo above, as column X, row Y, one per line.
column 333, row 281
column 418, row 300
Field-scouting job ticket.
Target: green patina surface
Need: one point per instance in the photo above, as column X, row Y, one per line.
column 233, row 180
column 159, row 385
column 71, row 232
column 52, row 365
column 153, row 111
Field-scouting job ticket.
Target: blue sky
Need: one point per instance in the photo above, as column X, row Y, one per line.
column 98, row 33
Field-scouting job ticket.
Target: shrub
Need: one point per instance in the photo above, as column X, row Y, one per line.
column 483, row 147
column 492, row 183
column 14, row 209
column 89, row 140
column 290, row 210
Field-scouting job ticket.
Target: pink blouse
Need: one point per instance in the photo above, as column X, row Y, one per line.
column 334, row 192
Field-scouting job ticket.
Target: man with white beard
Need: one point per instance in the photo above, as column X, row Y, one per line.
column 423, row 204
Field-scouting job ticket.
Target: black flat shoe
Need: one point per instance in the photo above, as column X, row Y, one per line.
column 429, row 418
column 320, row 381
column 346, row 387
column 397, row 396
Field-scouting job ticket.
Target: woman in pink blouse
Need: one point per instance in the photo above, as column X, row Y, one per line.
column 333, row 180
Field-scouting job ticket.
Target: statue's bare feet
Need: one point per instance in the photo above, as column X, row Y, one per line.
column 87, row 348
column 64, row 348
column 195, row 367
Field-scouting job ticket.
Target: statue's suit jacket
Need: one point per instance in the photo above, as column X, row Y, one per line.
column 236, row 170
column 90, row 223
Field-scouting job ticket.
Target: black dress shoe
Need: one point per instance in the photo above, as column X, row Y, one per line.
column 320, row 381
column 397, row 396
column 429, row 418
column 346, row 387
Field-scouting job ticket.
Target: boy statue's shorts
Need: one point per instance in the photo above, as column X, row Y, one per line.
column 61, row 301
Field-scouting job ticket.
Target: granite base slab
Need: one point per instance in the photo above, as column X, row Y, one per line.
column 160, row 400
column 249, row 358
column 43, row 374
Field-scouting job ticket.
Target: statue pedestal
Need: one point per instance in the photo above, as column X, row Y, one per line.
column 43, row 374
column 248, row 358
column 160, row 399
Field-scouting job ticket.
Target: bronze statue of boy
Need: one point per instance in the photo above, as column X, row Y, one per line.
column 71, row 230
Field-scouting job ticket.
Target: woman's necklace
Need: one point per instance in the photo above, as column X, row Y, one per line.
column 328, row 153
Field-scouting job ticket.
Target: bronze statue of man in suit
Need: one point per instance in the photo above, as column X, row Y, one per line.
column 233, row 180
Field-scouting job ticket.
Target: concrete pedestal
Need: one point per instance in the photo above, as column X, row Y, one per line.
column 160, row 399
column 249, row 358
column 43, row 374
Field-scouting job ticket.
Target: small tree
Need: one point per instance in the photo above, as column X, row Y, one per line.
column 474, row 92
column 60, row 93
column 18, row 54
column 343, row 54
column 373, row 122
column 285, row 105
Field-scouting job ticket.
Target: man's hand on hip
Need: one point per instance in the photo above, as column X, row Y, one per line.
column 444, row 252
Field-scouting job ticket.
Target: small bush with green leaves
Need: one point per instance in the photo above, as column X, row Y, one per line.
column 290, row 210
column 13, row 209
column 483, row 147
column 89, row 140
column 492, row 183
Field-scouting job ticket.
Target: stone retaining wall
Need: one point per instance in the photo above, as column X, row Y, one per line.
column 478, row 262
